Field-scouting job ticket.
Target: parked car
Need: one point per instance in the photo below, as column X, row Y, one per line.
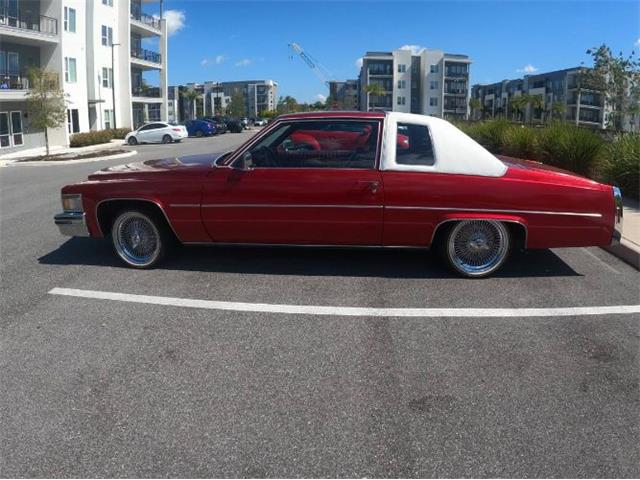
column 200, row 128
column 332, row 179
column 156, row 132
column 234, row 126
column 260, row 122
column 219, row 125
column 245, row 122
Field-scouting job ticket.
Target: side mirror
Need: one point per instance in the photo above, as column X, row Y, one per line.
column 245, row 163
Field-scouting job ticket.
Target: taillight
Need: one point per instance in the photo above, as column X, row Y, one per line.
column 177, row 129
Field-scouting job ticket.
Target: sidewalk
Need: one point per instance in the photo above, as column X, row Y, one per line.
column 36, row 152
column 629, row 247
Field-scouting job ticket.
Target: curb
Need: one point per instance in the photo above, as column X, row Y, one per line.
column 67, row 162
column 625, row 252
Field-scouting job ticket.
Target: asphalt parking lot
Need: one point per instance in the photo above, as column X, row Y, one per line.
column 97, row 387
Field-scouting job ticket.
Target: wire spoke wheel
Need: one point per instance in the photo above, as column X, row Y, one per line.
column 136, row 239
column 476, row 248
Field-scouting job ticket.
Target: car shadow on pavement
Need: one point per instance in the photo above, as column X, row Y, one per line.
column 347, row 262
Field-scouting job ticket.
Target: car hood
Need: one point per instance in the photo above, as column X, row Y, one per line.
column 191, row 165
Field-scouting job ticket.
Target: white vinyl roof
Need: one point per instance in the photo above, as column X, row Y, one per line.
column 454, row 151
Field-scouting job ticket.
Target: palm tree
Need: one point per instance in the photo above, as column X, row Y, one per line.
column 537, row 104
column 192, row 96
column 375, row 90
column 518, row 104
column 475, row 105
column 558, row 109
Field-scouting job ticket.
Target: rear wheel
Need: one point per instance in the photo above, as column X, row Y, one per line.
column 167, row 139
column 139, row 238
column 476, row 248
column 199, row 133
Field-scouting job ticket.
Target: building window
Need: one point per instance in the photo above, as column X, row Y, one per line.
column 69, row 19
column 107, row 36
column 107, row 77
column 402, row 68
column 433, row 101
column 109, row 3
column 402, row 83
column 70, row 70
column 73, row 122
column 401, row 100
column 11, row 129
column 434, row 84
column 434, row 69
column 108, row 119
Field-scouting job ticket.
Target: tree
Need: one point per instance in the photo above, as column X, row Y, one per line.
column 287, row 104
column 618, row 80
column 475, row 105
column 376, row 91
column 558, row 110
column 537, row 104
column 518, row 104
column 192, row 96
column 46, row 103
column 268, row 114
column 237, row 107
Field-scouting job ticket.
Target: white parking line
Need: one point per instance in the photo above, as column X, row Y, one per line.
column 600, row 261
column 348, row 311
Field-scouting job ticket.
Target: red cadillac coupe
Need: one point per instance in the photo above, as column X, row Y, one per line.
column 346, row 179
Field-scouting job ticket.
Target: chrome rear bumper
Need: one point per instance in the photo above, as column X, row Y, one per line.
column 72, row 224
column 617, row 221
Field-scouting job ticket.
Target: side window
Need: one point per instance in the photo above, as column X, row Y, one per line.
column 413, row 145
column 319, row 144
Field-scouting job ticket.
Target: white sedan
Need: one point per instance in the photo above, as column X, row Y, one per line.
column 156, row 132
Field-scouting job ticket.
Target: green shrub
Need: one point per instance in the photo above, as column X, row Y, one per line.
column 570, row 147
column 120, row 133
column 520, row 141
column 488, row 133
column 621, row 163
column 90, row 138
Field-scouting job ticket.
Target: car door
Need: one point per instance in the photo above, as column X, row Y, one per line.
column 144, row 133
column 292, row 193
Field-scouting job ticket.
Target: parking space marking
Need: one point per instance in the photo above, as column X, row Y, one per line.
column 348, row 311
column 600, row 261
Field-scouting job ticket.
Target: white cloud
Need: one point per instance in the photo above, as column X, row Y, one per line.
column 204, row 62
column 321, row 98
column 637, row 44
column 245, row 62
column 528, row 68
column 175, row 20
column 415, row 49
column 358, row 63
column 219, row 59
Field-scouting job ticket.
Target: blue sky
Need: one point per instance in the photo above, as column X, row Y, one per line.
column 237, row 40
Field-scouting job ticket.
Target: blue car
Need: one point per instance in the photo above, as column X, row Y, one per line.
column 200, row 128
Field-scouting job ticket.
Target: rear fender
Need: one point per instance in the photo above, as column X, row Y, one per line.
column 450, row 218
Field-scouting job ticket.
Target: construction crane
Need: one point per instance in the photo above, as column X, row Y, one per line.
column 322, row 73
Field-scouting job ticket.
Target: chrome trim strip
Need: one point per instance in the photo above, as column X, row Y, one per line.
column 135, row 199
column 491, row 210
column 435, row 229
column 184, row 205
column 618, row 216
column 302, row 245
column 277, row 205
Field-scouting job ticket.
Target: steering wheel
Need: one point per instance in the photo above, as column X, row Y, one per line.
column 266, row 156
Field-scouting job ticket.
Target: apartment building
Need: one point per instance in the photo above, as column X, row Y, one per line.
column 215, row 97
column 344, row 95
column 110, row 58
column 429, row 82
column 560, row 98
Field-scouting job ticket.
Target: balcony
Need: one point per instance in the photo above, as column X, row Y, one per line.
column 147, row 92
column 146, row 58
column 13, row 87
column 143, row 24
column 35, row 27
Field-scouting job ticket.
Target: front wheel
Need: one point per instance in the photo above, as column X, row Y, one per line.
column 476, row 248
column 133, row 141
column 139, row 239
column 167, row 139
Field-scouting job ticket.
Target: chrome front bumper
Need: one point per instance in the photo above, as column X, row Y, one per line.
column 72, row 224
column 617, row 221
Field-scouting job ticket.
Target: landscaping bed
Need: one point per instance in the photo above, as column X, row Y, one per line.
column 605, row 157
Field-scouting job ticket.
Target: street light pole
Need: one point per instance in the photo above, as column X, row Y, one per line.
column 113, row 86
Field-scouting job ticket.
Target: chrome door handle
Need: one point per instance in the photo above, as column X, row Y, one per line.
column 373, row 187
